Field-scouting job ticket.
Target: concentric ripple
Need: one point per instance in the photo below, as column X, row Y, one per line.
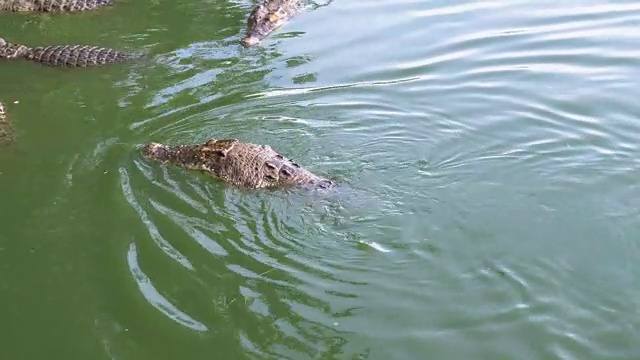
column 487, row 151
column 251, row 259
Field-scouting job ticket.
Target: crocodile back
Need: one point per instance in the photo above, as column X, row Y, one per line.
column 242, row 164
column 76, row 55
column 253, row 166
column 51, row 5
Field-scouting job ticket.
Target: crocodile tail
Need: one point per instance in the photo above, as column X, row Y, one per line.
column 76, row 55
column 51, row 5
column 12, row 51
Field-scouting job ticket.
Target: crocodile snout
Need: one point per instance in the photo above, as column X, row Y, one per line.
column 154, row 151
column 250, row 41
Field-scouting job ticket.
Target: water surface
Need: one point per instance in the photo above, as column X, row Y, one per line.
column 488, row 153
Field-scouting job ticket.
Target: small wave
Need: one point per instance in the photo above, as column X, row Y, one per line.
column 155, row 298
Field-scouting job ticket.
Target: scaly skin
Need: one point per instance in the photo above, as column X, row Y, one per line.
column 268, row 16
column 76, row 55
column 51, row 5
column 63, row 55
column 242, row 164
column 6, row 131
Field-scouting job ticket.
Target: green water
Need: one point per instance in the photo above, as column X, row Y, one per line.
column 488, row 153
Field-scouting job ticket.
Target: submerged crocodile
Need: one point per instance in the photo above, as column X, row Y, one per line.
column 51, row 5
column 268, row 16
column 242, row 164
column 6, row 131
column 7, row 134
column 64, row 55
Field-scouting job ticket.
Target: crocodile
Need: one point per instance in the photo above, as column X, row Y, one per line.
column 245, row 165
column 64, row 55
column 268, row 16
column 6, row 131
column 51, row 5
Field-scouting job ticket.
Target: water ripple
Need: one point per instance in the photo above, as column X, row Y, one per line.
column 251, row 239
column 153, row 230
column 155, row 298
column 496, row 144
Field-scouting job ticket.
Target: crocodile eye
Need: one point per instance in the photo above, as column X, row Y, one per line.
column 270, row 177
column 270, row 165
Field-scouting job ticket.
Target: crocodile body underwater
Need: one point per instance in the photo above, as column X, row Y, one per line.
column 242, row 164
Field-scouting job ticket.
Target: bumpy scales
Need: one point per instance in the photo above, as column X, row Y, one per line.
column 51, row 5
column 63, row 55
column 75, row 55
column 268, row 16
column 241, row 164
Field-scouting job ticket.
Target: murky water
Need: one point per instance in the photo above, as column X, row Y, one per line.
column 488, row 153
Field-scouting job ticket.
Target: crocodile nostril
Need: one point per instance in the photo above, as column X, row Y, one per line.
column 286, row 172
column 325, row 184
column 250, row 41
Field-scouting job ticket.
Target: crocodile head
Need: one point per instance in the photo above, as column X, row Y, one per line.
column 266, row 18
column 242, row 164
column 11, row 51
